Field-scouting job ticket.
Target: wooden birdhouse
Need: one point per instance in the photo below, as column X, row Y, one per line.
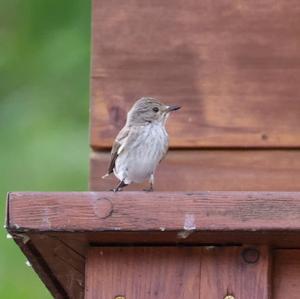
column 224, row 221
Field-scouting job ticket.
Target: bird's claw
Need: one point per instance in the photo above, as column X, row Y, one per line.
column 116, row 190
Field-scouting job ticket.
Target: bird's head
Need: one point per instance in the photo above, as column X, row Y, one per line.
column 149, row 110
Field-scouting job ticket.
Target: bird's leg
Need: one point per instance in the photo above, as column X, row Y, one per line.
column 119, row 186
column 151, row 181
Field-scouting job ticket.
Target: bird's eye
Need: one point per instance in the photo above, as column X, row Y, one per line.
column 155, row 109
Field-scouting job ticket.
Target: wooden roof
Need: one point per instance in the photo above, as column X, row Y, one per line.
column 55, row 230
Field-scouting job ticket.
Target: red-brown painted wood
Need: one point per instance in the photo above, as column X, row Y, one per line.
column 225, row 272
column 143, row 273
column 232, row 65
column 183, row 273
column 59, row 261
column 286, row 275
column 156, row 211
column 59, row 258
column 214, row 170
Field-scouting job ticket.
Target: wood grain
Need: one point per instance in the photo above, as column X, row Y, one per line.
column 65, row 258
column 157, row 211
column 286, row 274
column 224, row 272
column 194, row 272
column 143, row 273
column 59, row 261
column 63, row 273
column 226, row 170
column 233, row 66
column 41, row 266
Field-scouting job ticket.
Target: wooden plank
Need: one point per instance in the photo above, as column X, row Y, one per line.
column 65, row 257
column 40, row 266
column 157, row 211
column 278, row 239
column 59, row 268
column 233, row 66
column 143, row 273
column 228, row 170
column 59, row 260
column 286, row 274
column 57, row 271
column 225, row 272
column 79, row 241
column 193, row 272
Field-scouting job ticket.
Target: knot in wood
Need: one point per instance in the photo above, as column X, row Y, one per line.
column 250, row 255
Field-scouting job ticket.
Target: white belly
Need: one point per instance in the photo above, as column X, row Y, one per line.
column 138, row 160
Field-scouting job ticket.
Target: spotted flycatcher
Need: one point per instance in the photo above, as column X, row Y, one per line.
column 141, row 144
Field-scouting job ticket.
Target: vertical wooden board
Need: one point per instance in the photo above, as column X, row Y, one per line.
column 146, row 273
column 176, row 272
column 286, row 275
column 234, row 66
column 224, row 272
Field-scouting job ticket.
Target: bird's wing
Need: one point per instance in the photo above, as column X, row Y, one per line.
column 117, row 147
column 165, row 150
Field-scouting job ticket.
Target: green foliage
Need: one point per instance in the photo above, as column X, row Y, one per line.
column 44, row 97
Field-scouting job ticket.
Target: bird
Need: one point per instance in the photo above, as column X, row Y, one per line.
column 141, row 144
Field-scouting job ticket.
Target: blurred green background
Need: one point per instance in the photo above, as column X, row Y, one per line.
column 44, row 98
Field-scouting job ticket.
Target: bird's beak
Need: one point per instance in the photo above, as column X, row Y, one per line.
column 172, row 108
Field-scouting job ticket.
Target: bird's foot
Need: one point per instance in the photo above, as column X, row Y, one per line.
column 116, row 189
column 150, row 189
column 119, row 187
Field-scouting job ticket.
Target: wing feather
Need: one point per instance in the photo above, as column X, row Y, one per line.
column 165, row 150
column 117, row 148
